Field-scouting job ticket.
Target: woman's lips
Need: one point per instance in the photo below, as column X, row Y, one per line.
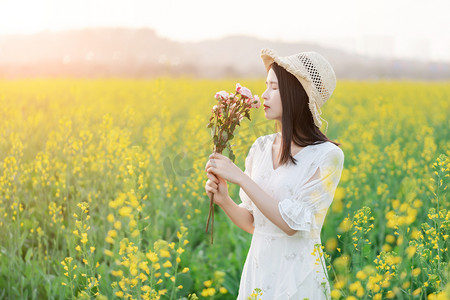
column 265, row 106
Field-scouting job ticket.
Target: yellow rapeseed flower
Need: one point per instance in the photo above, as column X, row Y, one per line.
column 119, row 294
column 207, row 283
column 411, row 250
column 208, row 292
column 117, row 225
column 377, row 296
column 335, row 294
column 361, row 275
column 118, row 273
column 132, row 224
column 331, row 244
column 164, row 253
column 110, row 218
column 125, row 211
column 152, row 256
column 417, row 292
column 167, row 264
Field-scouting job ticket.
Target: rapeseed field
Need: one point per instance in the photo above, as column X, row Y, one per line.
column 102, row 190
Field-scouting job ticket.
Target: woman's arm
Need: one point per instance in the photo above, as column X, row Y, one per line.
column 221, row 167
column 239, row 215
column 265, row 203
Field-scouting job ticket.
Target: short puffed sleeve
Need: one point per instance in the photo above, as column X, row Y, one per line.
column 307, row 209
column 246, row 202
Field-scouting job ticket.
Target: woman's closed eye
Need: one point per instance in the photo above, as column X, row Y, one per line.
column 272, row 86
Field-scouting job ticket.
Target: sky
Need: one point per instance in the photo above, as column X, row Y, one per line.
column 383, row 28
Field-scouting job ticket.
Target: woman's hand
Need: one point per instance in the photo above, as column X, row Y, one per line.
column 217, row 186
column 223, row 167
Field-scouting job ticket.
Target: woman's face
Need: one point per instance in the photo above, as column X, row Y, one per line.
column 272, row 98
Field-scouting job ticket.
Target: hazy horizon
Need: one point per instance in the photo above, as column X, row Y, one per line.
column 390, row 29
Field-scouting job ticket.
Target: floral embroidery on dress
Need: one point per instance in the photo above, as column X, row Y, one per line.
column 261, row 222
column 290, row 190
column 269, row 239
column 290, row 256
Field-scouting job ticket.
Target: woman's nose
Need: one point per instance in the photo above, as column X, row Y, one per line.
column 264, row 95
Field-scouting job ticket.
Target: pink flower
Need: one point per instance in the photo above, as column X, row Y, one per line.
column 243, row 91
column 256, row 102
column 222, row 95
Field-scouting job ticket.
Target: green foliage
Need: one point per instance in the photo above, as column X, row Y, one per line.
column 135, row 152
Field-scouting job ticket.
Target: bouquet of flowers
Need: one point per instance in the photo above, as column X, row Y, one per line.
column 226, row 115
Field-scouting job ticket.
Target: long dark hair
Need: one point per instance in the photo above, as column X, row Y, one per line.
column 297, row 123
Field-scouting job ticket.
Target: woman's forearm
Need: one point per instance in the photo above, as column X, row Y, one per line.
column 239, row 215
column 265, row 203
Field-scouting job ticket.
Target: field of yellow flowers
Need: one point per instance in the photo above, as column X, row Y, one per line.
column 102, row 191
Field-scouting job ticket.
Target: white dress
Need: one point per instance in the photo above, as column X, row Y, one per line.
column 283, row 266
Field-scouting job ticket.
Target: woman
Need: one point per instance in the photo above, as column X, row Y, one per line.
column 289, row 182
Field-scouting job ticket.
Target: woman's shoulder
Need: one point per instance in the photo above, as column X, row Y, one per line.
column 263, row 141
column 267, row 137
column 327, row 145
column 325, row 149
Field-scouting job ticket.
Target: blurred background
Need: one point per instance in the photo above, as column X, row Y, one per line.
column 221, row 39
column 104, row 108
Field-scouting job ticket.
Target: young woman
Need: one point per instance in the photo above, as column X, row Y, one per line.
column 288, row 184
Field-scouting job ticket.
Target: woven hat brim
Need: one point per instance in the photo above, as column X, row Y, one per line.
column 269, row 56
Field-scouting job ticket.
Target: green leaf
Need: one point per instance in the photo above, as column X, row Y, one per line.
column 366, row 250
column 232, row 156
column 29, row 254
column 225, row 136
column 230, row 152
column 186, row 281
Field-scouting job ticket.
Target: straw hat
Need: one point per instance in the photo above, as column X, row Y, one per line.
column 314, row 73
